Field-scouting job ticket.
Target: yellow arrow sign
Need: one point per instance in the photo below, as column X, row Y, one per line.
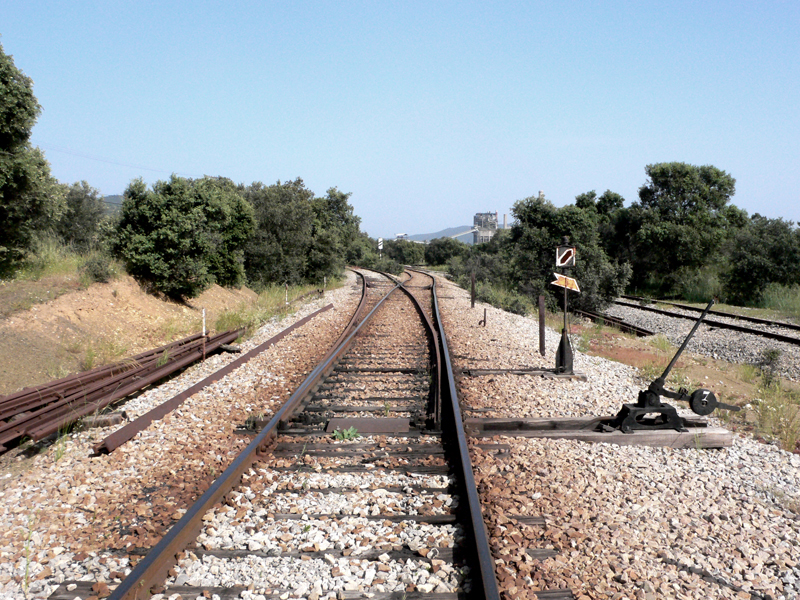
column 566, row 282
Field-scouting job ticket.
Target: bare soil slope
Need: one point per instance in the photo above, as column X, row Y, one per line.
column 103, row 323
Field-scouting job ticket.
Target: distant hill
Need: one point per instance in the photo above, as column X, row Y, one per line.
column 450, row 231
column 113, row 204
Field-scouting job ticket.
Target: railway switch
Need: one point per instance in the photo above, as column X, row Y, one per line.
column 650, row 412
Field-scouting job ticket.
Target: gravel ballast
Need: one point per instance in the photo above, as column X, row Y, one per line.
column 723, row 344
column 621, row 522
column 62, row 516
column 625, row 521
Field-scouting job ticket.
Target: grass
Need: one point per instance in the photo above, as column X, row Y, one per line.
column 49, row 256
column 60, row 445
column 351, row 433
column 50, row 270
column 748, row 373
column 93, row 353
column 587, row 336
column 271, row 303
column 778, row 413
column 163, row 359
column 782, row 298
column 662, row 345
column 175, row 328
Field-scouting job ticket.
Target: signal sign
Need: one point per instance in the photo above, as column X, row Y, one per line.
column 566, row 282
column 380, row 243
column 565, row 256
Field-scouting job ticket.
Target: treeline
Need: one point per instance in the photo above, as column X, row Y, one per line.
column 182, row 235
column 177, row 236
column 683, row 238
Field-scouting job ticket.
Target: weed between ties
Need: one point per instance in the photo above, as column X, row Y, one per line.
column 351, row 433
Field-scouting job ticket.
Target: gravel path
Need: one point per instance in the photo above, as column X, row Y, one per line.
column 723, row 344
column 627, row 522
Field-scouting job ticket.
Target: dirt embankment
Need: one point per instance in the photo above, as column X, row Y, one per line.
column 103, row 323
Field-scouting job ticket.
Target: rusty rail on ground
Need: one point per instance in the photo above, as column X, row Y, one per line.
column 44, row 410
column 623, row 326
column 122, row 435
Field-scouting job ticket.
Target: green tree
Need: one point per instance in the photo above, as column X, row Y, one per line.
column 84, row 211
column 609, row 202
column 763, row 252
column 679, row 224
column 278, row 250
column 539, row 227
column 441, row 250
column 29, row 197
column 363, row 252
column 679, row 192
column 335, row 229
column 587, row 200
column 404, row 252
column 184, row 234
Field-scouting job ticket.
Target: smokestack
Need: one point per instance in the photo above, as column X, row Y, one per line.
column 504, row 220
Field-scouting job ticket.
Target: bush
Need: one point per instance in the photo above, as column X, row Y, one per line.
column 184, row 235
column 441, row 250
column 79, row 226
column 502, row 298
column 697, row 285
column 387, row 265
column 98, row 269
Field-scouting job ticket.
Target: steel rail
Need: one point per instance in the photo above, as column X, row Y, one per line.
column 67, row 414
column 123, row 434
column 435, row 411
column 721, row 324
column 351, row 324
column 57, row 414
column 614, row 321
column 720, row 313
column 485, row 577
column 110, row 381
column 153, row 569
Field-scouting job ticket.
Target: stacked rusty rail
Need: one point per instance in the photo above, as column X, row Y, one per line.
column 43, row 410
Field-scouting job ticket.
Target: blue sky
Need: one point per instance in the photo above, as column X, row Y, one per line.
column 426, row 112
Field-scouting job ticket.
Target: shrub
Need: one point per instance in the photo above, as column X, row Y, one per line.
column 697, row 285
column 783, row 298
column 184, row 234
column 97, row 269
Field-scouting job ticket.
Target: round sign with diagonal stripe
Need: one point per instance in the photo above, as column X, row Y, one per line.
column 565, row 256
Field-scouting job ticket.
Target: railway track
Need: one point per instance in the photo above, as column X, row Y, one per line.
column 359, row 486
column 745, row 318
column 766, row 333
column 614, row 322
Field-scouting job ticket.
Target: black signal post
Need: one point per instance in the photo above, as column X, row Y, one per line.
column 565, row 259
